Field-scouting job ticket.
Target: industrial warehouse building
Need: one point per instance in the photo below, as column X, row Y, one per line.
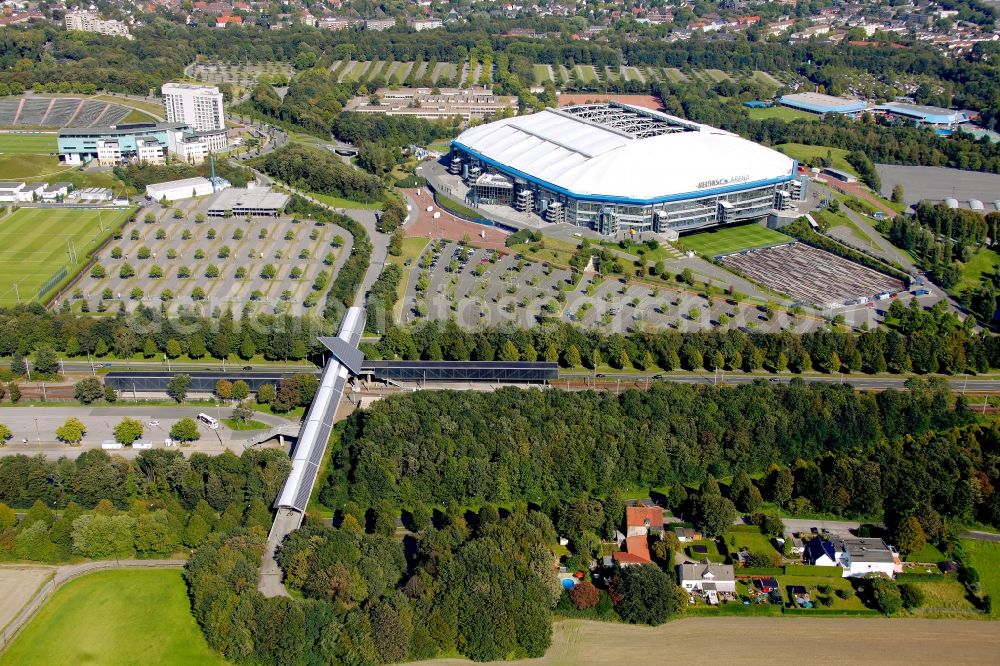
column 175, row 190
column 820, row 103
column 615, row 167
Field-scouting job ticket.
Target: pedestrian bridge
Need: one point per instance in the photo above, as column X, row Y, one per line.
column 344, row 361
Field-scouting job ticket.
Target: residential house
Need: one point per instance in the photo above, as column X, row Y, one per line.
column 636, row 552
column 707, row 578
column 857, row 556
column 686, row 534
column 644, row 520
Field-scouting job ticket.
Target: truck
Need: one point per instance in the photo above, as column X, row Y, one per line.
column 111, row 444
column 142, row 444
column 921, row 292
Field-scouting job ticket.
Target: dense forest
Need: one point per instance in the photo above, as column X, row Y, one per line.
column 515, row 445
column 480, row 585
column 102, row 506
column 942, row 237
column 319, row 170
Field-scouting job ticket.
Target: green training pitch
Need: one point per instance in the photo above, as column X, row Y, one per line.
column 35, row 244
column 726, row 240
column 139, row 616
column 18, row 143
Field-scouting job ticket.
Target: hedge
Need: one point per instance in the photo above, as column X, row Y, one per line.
column 818, row 572
column 914, row 577
column 828, row 612
column 760, row 571
column 736, row 609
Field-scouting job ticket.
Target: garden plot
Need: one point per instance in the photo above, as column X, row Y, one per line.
column 218, row 262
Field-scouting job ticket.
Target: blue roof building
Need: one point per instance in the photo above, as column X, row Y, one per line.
column 819, row 103
column 929, row 115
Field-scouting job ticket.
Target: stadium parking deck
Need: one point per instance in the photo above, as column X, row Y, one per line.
column 812, row 275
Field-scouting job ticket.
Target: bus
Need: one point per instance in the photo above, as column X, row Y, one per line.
column 209, row 421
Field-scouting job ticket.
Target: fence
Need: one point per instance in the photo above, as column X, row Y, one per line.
column 52, row 282
column 66, row 574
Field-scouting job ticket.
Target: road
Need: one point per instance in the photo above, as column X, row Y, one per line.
column 208, row 365
column 37, row 425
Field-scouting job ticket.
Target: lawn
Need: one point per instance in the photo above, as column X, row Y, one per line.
column 805, row 154
column 153, row 109
column 21, row 143
column 981, row 263
column 811, row 583
column 713, row 553
column 24, row 166
column 943, row 595
column 541, row 73
column 928, row 554
column 727, row 240
column 984, row 556
column 115, row 617
column 238, row 426
column 35, row 244
column 749, row 537
column 338, row 202
column 413, row 247
column 587, row 73
column 781, row 113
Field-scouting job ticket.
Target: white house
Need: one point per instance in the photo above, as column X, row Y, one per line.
column 19, row 192
column 55, row 191
column 855, row 555
column 707, row 577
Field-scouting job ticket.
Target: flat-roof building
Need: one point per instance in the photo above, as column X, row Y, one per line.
column 198, row 106
column 923, row 115
column 615, row 167
column 175, row 190
column 820, row 103
column 114, row 144
column 424, row 103
column 253, row 202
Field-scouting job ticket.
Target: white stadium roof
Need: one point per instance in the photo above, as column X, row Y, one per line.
column 614, row 151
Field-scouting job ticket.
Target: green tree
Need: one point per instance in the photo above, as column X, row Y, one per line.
column 571, row 359
column 177, row 387
column 508, row 352
column 185, row 430
column 247, row 348
column 266, row 394
column 645, row 594
column 5, row 436
column 128, row 431
column 46, row 361
column 224, row 389
column 173, row 348
column 909, row 535
column 715, row 515
column 241, row 390
column 88, row 390
column 71, row 431
column 884, row 594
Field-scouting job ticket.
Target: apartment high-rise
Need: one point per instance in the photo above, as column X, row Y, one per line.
column 198, row 106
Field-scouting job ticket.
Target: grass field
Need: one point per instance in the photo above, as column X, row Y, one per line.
column 35, row 244
column 731, row 239
column 14, row 166
column 757, row 640
column 27, row 144
column 114, row 617
column 805, row 154
column 337, row 202
column 781, row 113
column 984, row 556
column 979, row 264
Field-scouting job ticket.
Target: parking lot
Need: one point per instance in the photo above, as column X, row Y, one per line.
column 215, row 262
column 480, row 287
column 38, row 425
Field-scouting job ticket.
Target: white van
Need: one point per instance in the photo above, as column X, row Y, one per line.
column 111, row 444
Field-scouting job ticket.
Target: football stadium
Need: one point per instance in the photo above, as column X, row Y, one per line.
column 614, row 167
